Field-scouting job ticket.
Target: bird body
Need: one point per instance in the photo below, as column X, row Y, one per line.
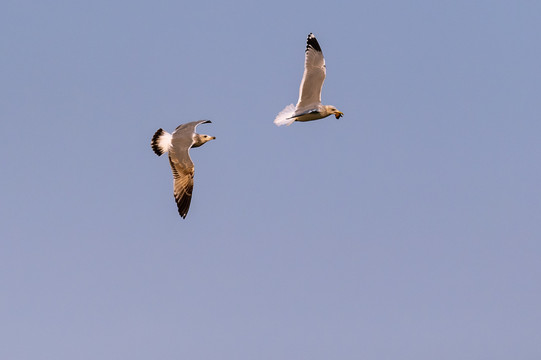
column 178, row 145
column 309, row 105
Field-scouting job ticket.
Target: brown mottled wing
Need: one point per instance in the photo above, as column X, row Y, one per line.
column 313, row 77
column 182, row 165
column 182, row 183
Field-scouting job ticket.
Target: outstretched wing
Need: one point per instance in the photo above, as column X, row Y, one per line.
column 314, row 76
column 187, row 130
column 183, row 171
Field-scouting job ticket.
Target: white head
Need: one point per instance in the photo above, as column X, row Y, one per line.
column 206, row 138
column 334, row 111
column 200, row 139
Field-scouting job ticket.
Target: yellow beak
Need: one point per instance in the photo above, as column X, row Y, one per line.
column 338, row 114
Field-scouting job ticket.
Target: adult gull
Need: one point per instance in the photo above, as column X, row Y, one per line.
column 309, row 106
column 178, row 145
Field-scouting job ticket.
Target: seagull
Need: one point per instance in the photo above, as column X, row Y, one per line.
column 178, row 145
column 309, row 106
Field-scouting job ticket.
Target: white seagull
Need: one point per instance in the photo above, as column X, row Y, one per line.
column 178, row 145
column 309, row 106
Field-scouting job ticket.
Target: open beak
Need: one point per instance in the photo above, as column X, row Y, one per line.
column 338, row 114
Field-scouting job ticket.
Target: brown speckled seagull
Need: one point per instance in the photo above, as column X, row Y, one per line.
column 178, row 145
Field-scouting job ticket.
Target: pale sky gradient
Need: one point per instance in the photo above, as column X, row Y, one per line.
column 408, row 229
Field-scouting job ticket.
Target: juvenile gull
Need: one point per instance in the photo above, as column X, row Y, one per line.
column 309, row 105
column 178, row 145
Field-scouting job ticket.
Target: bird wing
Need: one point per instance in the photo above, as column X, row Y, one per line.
column 183, row 172
column 187, row 130
column 313, row 77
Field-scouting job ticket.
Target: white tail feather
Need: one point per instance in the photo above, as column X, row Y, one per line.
column 284, row 117
column 161, row 141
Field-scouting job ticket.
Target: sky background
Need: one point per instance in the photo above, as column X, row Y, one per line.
column 408, row 229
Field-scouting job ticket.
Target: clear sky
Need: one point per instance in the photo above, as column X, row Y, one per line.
column 408, row 229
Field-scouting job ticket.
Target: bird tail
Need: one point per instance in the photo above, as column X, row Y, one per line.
column 285, row 116
column 161, row 141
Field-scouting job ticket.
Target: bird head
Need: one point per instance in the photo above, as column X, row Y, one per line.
column 332, row 110
column 204, row 138
column 200, row 139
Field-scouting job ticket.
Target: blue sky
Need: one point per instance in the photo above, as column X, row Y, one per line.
column 407, row 229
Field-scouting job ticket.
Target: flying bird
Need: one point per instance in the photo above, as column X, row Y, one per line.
column 178, row 145
column 309, row 106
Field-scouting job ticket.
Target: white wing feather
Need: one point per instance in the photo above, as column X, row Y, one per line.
column 313, row 77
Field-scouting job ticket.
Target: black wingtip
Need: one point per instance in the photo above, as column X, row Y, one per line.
column 311, row 42
column 154, row 142
column 183, row 205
